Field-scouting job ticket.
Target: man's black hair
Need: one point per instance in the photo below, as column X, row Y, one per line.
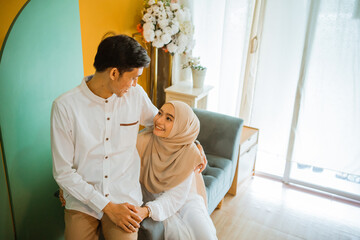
column 121, row 52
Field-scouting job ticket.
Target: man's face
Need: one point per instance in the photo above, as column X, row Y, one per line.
column 164, row 120
column 121, row 84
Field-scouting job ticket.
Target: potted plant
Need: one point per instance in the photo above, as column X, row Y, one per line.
column 198, row 71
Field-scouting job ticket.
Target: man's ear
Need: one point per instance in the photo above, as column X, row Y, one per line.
column 114, row 73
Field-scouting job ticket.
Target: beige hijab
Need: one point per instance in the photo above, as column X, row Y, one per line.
column 166, row 162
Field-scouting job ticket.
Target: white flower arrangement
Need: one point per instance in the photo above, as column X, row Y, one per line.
column 193, row 63
column 167, row 25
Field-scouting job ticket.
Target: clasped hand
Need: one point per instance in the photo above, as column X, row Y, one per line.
column 124, row 215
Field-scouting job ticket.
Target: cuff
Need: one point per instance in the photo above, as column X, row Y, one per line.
column 155, row 211
column 98, row 202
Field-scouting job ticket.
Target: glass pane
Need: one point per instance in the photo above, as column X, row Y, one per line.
column 349, row 183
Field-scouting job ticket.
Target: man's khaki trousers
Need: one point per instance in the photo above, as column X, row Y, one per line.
column 81, row 226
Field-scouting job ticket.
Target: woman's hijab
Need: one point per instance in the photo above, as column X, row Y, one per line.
column 166, row 162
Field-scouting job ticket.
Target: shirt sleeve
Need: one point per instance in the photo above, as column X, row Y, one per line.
column 148, row 110
column 169, row 202
column 62, row 146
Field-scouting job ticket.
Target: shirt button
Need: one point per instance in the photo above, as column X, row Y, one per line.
column 106, row 101
column 106, row 157
column 108, row 118
column 107, row 139
column 106, row 176
column 106, row 195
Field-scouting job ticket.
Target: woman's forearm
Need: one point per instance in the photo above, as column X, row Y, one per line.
column 169, row 202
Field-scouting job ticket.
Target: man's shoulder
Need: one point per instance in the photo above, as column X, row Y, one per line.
column 138, row 89
column 139, row 92
column 68, row 96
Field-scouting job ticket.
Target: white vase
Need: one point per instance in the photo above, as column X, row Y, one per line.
column 198, row 78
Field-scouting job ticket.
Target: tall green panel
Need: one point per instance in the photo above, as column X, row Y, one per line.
column 42, row 58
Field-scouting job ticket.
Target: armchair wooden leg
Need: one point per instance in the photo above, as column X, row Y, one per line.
column 220, row 204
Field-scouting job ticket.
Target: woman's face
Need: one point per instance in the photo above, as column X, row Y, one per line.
column 164, row 120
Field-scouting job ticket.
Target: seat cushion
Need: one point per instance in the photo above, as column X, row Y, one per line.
column 217, row 178
column 151, row 229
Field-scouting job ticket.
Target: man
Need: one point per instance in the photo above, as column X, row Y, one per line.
column 93, row 138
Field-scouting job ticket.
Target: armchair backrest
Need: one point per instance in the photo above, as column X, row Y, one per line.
column 219, row 133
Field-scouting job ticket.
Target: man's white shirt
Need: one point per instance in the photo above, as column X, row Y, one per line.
column 93, row 142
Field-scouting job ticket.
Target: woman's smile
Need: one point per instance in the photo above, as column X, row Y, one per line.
column 159, row 128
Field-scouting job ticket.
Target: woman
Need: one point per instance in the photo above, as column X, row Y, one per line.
column 174, row 193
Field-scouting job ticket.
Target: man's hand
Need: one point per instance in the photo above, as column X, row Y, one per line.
column 201, row 167
column 123, row 215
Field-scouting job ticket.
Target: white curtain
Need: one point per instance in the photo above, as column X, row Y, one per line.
column 278, row 70
column 328, row 129
column 222, row 31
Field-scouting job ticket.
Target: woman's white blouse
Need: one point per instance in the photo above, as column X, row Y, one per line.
column 169, row 202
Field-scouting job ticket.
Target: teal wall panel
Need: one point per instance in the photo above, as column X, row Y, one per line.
column 42, row 58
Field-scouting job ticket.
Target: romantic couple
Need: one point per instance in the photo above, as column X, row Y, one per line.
column 99, row 157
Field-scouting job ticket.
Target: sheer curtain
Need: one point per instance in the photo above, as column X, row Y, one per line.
column 222, row 31
column 278, row 70
column 328, row 130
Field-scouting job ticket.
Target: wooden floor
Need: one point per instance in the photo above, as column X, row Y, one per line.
column 268, row 209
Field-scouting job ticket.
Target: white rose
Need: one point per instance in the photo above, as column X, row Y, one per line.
column 147, row 17
column 157, row 43
column 180, row 16
column 174, row 6
column 148, row 26
column 172, row 48
column 169, row 14
column 182, row 40
column 180, row 49
column 163, row 23
column 156, row 13
column 158, row 33
column 166, row 38
column 174, row 29
column 162, row 16
column 155, row 8
column 168, row 30
column 166, row 15
column 187, row 28
column 149, row 35
column 175, row 22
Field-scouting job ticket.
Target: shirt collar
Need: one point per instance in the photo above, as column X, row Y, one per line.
column 91, row 95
